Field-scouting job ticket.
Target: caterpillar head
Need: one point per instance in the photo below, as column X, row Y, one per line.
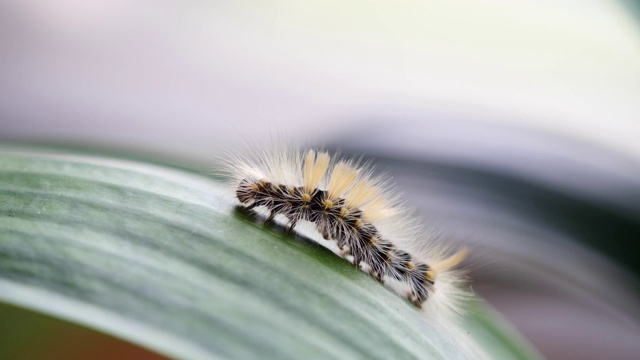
column 248, row 190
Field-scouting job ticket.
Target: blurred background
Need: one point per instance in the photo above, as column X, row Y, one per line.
column 511, row 126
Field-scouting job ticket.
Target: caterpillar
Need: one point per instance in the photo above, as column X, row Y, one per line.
column 355, row 210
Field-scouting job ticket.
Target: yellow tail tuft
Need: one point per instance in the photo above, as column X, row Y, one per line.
column 449, row 262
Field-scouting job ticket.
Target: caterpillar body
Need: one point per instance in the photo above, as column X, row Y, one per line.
column 355, row 209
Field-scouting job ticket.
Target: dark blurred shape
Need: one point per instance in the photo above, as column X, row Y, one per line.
column 34, row 336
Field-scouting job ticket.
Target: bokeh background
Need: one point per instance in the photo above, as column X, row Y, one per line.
column 512, row 127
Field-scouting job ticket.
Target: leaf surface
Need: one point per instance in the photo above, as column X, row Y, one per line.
column 161, row 258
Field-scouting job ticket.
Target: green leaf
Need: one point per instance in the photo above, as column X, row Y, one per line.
column 159, row 257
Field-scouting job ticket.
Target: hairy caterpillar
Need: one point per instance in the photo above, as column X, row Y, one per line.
column 355, row 209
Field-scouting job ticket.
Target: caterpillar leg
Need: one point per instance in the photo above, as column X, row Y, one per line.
column 270, row 218
column 250, row 207
column 417, row 303
column 290, row 227
column 344, row 251
column 414, row 299
column 376, row 275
